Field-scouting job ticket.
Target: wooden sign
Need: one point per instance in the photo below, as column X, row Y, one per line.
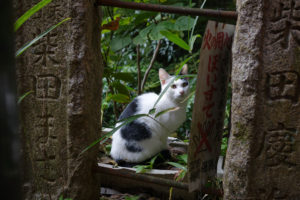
column 209, row 105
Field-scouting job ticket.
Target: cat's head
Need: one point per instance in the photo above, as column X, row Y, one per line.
column 179, row 89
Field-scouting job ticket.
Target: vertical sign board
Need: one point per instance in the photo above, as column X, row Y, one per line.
column 209, row 106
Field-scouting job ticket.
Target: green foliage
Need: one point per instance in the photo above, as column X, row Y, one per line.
column 132, row 46
column 27, row 45
column 62, row 198
column 182, row 165
column 30, row 12
column 145, row 168
column 176, row 39
column 132, row 197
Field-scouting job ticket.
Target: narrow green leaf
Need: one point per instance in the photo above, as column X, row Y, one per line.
column 181, row 175
column 175, row 39
column 125, row 121
column 26, row 46
column 184, row 158
column 152, row 161
column 177, row 165
column 133, row 117
column 182, row 64
column 163, row 92
column 140, row 169
column 167, row 110
column 23, row 96
column 192, row 41
column 189, row 96
column 30, row 12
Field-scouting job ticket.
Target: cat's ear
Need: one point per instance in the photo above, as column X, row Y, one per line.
column 163, row 76
column 184, row 70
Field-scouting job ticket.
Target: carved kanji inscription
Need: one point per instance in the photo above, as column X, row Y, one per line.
column 48, row 87
column 283, row 85
column 44, row 49
column 46, row 139
column 55, row 11
column 285, row 22
column 45, row 148
column 279, row 146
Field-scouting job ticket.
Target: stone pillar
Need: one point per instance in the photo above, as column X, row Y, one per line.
column 61, row 115
column 263, row 158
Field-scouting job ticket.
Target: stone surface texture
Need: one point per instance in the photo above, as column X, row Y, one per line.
column 61, row 115
column 263, row 158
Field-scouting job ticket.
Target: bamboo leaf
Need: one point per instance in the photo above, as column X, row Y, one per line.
column 184, row 158
column 167, row 110
column 23, row 96
column 141, row 169
column 125, row 121
column 192, row 41
column 175, row 39
column 30, row 12
column 152, row 161
column 133, row 117
column 27, row 45
column 182, row 64
column 177, row 165
column 163, row 92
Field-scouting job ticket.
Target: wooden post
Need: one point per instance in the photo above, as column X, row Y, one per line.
column 61, row 116
column 209, row 106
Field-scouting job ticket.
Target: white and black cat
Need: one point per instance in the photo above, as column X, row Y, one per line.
column 144, row 137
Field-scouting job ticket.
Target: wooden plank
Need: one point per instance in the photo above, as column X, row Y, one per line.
column 209, row 105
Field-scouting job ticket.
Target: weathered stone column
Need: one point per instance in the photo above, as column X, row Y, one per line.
column 61, row 116
column 263, row 159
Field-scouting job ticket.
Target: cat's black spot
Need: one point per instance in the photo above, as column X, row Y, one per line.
column 133, row 147
column 130, row 110
column 135, row 131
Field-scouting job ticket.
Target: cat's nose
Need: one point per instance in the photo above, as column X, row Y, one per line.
column 181, row 93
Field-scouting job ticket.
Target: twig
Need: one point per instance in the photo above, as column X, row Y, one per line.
column 150, row 65
column 139, row 68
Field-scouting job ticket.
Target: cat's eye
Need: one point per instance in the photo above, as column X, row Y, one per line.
column 185, row 84
column 173, row 86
